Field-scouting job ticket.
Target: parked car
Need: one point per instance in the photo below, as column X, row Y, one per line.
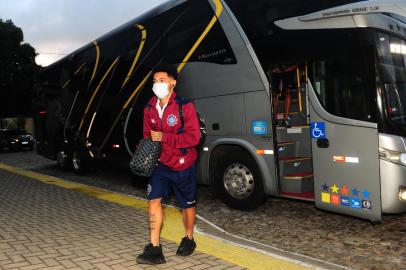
column 16, row 139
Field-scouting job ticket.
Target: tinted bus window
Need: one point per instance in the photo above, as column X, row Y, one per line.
column 266, row 12
column 392, row 64
column 214, row 48
column 344, row 85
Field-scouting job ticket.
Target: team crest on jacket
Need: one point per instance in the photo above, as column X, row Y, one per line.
column 172, row 120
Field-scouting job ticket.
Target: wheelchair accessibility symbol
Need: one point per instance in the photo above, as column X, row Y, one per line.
column 318, row 130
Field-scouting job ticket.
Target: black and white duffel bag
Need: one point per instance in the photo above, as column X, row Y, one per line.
column 145, row 158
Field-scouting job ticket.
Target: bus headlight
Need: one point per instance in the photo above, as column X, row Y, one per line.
column 402, row 193
column 403, row 158
column 393, row 156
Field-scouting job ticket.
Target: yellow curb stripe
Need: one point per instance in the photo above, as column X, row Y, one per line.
column 173, row 231
column 173, row 227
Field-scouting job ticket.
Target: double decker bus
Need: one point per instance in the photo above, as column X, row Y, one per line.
column 331, row 129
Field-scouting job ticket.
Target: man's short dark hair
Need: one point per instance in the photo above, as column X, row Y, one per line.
column 168, row 68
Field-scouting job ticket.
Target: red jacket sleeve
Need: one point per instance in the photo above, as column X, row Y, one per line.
column 191, row 135
column 146, row 124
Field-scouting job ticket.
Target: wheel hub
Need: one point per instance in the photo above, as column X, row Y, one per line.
column 61, row 158
column 238, row 181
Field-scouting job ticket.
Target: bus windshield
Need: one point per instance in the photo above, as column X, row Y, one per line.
column 392, row 63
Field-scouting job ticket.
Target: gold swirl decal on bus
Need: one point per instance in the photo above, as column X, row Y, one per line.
column 219, row 10
column 90, row 126
column 79, row 69
column 96, row 91
column 137, row 56
column 76, row 73
column 123, row 109
column 143, row 39
column 96, row 64
column 66, row 84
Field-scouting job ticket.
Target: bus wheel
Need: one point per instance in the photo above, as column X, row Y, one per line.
column 64, row 160
column 80, row 161
column 238, row 182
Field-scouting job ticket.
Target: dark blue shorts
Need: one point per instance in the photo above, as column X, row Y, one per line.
column 183, row 183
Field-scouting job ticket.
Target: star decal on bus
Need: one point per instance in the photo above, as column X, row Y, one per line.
column 366, row 194
column 344, row 190
column 325, row 188
column 334, row 188
column 355, row 192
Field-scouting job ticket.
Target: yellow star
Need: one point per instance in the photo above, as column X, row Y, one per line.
column 334, row 188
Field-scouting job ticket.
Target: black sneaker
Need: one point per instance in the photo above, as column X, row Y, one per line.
column 279, row 123
column 151, row 255
column 286, row 124
column 186, row 247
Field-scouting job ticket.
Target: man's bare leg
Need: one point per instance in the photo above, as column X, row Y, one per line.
column 188, row 244
column 275, row 105
column 156, row 217
column 189, row 221
column 152, row 253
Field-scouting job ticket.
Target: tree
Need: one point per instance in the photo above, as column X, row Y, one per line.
column 17, row 71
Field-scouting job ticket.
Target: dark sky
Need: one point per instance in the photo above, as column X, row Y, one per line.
column 57, row 27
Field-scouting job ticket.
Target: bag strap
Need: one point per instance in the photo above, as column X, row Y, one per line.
column 181, row 101
column 181, row 116
column 182, row 126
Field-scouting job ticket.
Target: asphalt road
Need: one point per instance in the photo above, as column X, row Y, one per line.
column 293, row 226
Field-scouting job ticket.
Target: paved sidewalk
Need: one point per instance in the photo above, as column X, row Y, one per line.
column 53, row 224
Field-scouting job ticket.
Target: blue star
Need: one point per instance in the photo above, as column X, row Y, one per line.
column 366, row 194
column 325, row 187
column 355, row 192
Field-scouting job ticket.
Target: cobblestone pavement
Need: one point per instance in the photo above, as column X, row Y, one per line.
column 290, row 225
column 48, row 227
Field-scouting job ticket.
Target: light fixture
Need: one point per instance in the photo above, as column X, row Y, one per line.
column 397, row 48
column 402, row 193
column 393, row 156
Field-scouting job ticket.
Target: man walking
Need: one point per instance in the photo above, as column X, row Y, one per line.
column 172, row 121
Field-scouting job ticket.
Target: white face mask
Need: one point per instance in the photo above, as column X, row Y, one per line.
column 161, row 90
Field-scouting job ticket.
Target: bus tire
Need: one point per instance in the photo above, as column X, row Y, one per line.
column 80, row 160
column 238, row 181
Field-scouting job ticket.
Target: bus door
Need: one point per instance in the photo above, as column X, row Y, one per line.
column 344, row 149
